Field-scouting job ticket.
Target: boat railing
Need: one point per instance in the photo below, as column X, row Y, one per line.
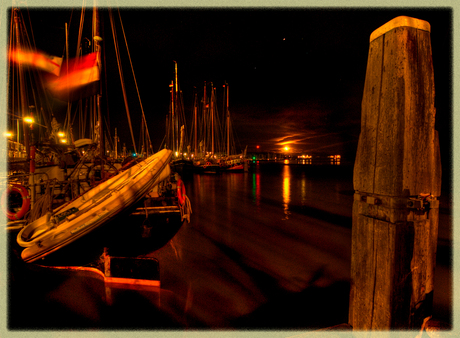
column 16, row 151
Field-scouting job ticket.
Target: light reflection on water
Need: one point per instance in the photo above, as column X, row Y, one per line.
column 256, row 187
column 263, row 251
column 303, row 188
column 248, row 240
column 286, row 190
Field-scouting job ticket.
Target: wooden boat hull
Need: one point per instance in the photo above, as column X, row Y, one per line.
column 207, row 168
column 94, row 208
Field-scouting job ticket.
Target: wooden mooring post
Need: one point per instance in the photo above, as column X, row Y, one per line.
column 397, row 182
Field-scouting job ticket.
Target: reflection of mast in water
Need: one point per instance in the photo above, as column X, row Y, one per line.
column 286, row 190
column 256, row 188
column 303, row 189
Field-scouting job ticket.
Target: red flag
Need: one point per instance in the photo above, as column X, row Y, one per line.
column 29, row 58
column 80, row 79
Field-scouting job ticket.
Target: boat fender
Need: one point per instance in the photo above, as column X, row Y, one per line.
column 181, row 192
column 25, row 201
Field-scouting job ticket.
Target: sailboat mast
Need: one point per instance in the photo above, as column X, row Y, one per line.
column 116, row 145
column 67, row 66
column 195, row 119
column 171, row 122
column 176, row 91
column 228, row 123
column 205, row 122
column 212, row 119
column 22, row 90
column 97, row 38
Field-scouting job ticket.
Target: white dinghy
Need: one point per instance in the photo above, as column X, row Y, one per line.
column 94, row 208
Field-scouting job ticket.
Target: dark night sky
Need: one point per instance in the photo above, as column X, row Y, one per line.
column 295, row 75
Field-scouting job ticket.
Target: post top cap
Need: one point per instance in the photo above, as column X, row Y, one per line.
column 400, row 21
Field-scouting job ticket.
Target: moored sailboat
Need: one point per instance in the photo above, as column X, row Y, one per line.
column 37, row 151
column 218, row 136
column 175, row 138
column 231, row 162
column 94, row 189
column 206, row 160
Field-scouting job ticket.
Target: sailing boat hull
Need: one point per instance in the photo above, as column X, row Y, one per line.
column 235, row 168
column 207, row 169
column 93, row 209
column 182, row 166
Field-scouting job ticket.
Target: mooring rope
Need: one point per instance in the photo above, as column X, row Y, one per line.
column 42, row 204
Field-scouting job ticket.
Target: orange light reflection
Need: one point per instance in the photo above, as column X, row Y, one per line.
column 286, row 191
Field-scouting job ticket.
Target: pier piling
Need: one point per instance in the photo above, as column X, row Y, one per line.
column 397, row 182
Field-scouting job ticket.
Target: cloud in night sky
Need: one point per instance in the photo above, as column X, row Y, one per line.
column 302, row 128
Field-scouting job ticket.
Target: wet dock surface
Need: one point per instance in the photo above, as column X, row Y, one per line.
column 265, row 250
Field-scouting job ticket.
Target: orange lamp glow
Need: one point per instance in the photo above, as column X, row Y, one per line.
column 29, row 119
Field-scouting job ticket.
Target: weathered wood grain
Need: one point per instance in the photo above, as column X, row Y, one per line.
column 394, row 236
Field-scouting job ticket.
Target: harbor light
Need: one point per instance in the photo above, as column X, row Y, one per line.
column 29, row 119
column 63, row 140
column 286, row 148
column 61, row 134
column 8, row 134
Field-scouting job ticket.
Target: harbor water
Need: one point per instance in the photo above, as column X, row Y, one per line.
column 268, row 249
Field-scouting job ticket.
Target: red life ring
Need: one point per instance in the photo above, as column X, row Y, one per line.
column 181, row 192
column 25, row 201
